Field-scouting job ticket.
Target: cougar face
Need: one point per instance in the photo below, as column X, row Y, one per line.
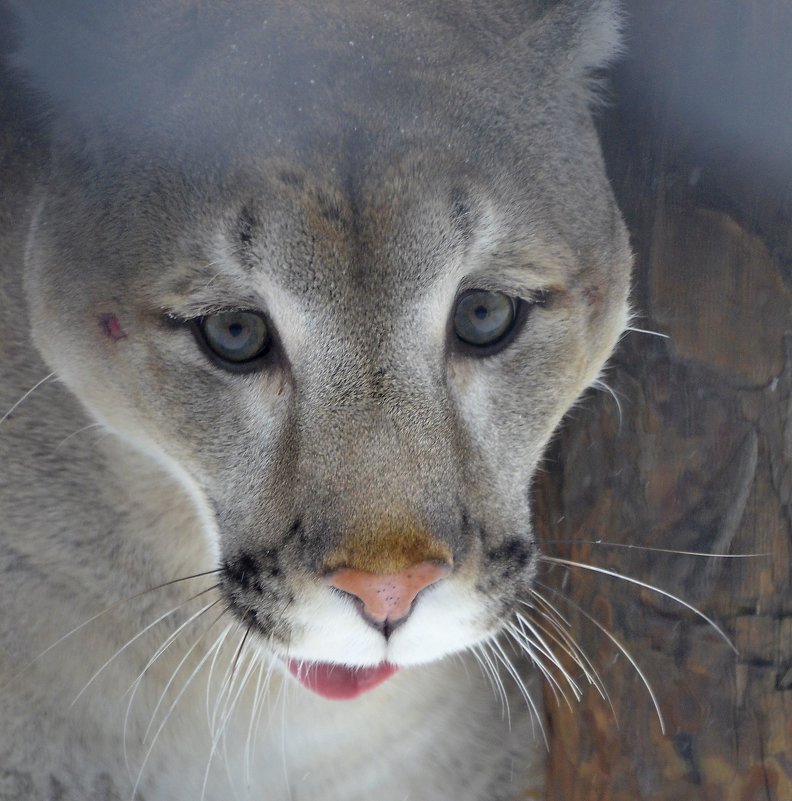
column 352, row 334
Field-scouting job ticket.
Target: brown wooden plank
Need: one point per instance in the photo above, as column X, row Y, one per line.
column 699, row 145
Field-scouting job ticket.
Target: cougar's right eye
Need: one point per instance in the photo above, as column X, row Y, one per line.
column 483, row 319
column 236, row 338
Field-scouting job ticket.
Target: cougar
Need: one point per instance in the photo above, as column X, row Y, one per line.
column 294, row 294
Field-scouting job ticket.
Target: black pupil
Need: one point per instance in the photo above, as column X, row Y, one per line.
column 235, row 329
column 481, row 312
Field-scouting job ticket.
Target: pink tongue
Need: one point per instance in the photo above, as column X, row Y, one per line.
column 337, row 682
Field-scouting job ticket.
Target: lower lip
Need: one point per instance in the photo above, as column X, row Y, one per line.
column 337, row 682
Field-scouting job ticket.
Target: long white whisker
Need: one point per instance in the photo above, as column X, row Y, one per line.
column 500, row 654
column 95, row 617
column 264, row 696
column 598, row 383
column 650, row 549
column 253, row 707
column 165, row 719
column 133, row 688
column 26, row 396
column 565, row 641
column 284, row 762
column 526, row 644
column 498, row 679
column 253, row 662
column 626, row 653
column 645, row 331
column 224, row 686
column 569, row 563
column 228, row 709
column 184, row 658
column 262, row 686
column 75, row 433
column 485, row 671
column 131, row 641
column 540, row 644
column 221, row 639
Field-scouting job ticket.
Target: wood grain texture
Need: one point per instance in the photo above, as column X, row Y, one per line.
column 699, row 456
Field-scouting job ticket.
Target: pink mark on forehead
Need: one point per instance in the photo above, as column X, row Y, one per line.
column 111, row 327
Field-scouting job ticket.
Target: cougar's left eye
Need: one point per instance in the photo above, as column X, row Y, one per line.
column 236, row 337
column 484, row 318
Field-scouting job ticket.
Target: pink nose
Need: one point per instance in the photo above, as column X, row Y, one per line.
column 387, row 598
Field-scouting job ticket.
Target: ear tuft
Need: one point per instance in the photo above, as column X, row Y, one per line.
column 587, row 34
column 601, row 23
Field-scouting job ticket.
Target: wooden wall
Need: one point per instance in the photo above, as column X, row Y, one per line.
column 699, row 456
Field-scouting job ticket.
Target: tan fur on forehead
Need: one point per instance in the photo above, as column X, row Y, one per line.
column 387, row 546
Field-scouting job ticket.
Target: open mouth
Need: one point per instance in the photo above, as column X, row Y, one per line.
column 338, row 682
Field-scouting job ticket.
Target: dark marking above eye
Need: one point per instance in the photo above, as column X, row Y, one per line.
column 329, row 208
column 246, row 226
column 461, row 214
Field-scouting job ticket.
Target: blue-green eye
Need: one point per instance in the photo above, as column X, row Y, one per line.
column 483, row 318
column 236, row 336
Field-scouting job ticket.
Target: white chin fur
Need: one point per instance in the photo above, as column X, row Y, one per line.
column 328, row 628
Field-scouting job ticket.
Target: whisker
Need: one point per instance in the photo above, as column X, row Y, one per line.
column 524, row 646
column 645, row 331
column 253, row 708
column 95, row 617
column 184, row 658
column 498, row 680
column 134, row 686
column 570, row 563
column 284, row 762
column 190, row 678
column 134, row 639
column 225, row 685
column 528, row 645
column 228, row 710
column 567, row 643
column 500, row 654
column 26, row 396
column 253, row 662
column 241, row 646
column 650, row 549
column 264, row 697
column 169, row 640
column 485, row 671
column 221, row 639
column 540, row 643
column 75, row 433
column 624, row 651
column 598, row 383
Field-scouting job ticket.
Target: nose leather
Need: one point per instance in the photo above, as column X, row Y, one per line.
column 388, row 597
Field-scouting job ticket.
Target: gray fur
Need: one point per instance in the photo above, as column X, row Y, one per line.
column 345, row 168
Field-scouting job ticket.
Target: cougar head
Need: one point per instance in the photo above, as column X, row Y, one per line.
column 343, row 270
